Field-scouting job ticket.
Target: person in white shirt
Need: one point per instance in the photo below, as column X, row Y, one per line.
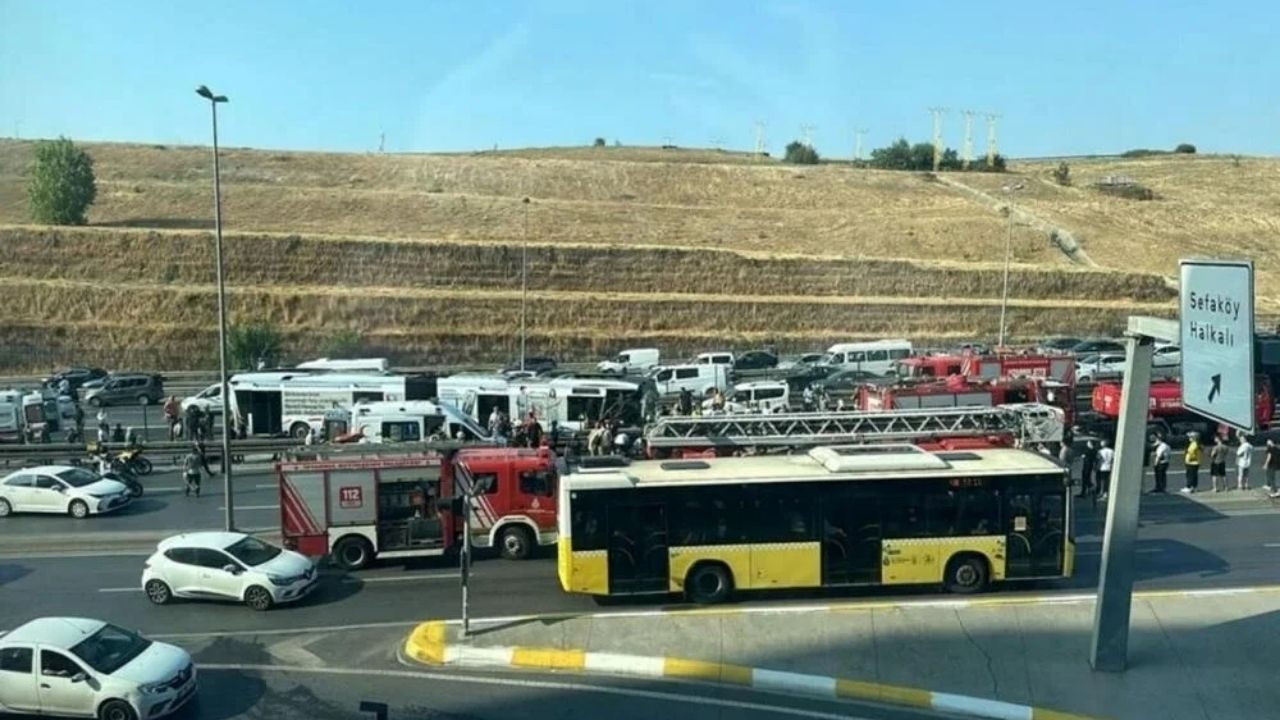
column 1162, row 455
column 1244, row 461
column 1106, row 456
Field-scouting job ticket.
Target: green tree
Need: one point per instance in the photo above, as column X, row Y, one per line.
column 950, row 160
column 599, row 142
column 345, row 344
column 892, row 157
column 253, row 345
column 922, row 156
column 801, row 154
column 1185, row 148
column 62, row 186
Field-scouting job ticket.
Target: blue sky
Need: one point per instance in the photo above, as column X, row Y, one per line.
column 1066, row 78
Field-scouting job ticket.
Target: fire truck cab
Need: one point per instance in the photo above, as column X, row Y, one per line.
column 360, row 509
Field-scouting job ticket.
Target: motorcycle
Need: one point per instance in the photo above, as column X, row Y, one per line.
column 112, row 468
column 134, row 461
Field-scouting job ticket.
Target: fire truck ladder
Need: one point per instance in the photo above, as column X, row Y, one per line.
column 1029, row 422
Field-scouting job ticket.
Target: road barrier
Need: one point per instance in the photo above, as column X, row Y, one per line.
column 61, row 453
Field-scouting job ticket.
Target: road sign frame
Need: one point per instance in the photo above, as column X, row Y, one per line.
column 1189, row 402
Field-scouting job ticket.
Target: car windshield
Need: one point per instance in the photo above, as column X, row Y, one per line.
column 78, row 477
column 110, row 649
column 252, row 551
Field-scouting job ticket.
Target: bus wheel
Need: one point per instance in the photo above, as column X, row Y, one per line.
column 708, row 583
column 966, row 574
column 515, row 542
column 352, row 553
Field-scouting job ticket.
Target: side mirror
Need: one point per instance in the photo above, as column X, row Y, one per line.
column 231, row 569
column 79, row 677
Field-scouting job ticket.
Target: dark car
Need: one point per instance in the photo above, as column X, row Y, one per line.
column 1096, row 346
column 1058, row 344
column 846, row 380
column 755, row 360
column 537, row 364
column 75, row 376
column 127, row 389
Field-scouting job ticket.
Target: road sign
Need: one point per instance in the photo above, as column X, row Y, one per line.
column 1217, row 340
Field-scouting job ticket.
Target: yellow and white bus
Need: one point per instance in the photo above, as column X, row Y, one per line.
column 836, row 516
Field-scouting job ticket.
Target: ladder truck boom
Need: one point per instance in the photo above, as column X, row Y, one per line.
column 1028, row 422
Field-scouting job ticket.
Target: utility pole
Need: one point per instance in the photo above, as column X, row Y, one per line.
column 806, row 135
column 467, row 486
column 991, row 139
column 937, row 113
column 227, row 422
column 524, row 283
column 857, row 144
column 968, row 138
column 382, row 141
column 1008, row 251
column 759, row 137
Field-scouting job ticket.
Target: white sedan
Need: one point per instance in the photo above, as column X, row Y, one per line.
column 75, row 667
column 61, row 489
column 227, row 566
column 1089, row 368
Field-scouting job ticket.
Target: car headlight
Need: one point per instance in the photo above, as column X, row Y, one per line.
column 280, row 580
column 154, row 688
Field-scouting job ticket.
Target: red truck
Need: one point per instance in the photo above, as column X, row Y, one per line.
column 991, row 366
column 1165, row 412
column 362, row 508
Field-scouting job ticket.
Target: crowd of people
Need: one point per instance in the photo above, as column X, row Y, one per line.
column 1092, row 464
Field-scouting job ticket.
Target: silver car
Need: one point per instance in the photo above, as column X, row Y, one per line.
column 134, row 389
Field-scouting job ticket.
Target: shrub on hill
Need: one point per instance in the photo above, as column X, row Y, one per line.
column 62, row 185
column 801, row 154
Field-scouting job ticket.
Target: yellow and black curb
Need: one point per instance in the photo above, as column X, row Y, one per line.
column 429, row 643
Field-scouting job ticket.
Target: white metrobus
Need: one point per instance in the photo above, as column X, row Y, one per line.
column 275, row 403
column 572, row 403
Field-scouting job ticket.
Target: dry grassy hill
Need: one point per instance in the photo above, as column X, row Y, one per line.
column 683, row 249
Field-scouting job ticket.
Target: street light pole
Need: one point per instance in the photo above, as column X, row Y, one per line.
column 1008, row 251
column 524, row 283
column 205, row 93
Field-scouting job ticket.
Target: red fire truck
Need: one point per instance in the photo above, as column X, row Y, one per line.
column 1165, row 411
column 361, row 508
column 1060, row 368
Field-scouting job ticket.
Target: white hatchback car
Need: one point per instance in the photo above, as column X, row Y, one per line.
column 61, row 489
column 227, row 566
column 75, row 667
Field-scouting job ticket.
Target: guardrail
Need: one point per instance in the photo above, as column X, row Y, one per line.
column 58, row 453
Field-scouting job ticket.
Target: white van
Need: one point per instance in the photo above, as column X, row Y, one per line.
column 406, row 421
column 714, row 358
column 877, row 356
column 697, row 379
column 634, row 360
column 765, row 396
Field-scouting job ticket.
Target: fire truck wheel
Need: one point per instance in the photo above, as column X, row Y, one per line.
column 352, row 553
column 515, row 542
column 966, row 574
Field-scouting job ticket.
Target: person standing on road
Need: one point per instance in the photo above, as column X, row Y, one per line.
column 1244, row 461
column 1191, row 462
column 104, row 428
column 171, row 410
column 1270, row 464
column 1162, row 454
column 1218, row 464
column 1088, row 457
column 78, row 416
column 192, row 465
column 1106, row 456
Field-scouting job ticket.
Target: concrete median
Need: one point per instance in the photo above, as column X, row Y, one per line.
column 1194, row 654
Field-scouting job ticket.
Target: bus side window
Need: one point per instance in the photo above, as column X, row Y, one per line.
column 903, row 516
column 940, row 513
column 979, row 512
column 587, row 524
column 785, row 516
column 400, row 431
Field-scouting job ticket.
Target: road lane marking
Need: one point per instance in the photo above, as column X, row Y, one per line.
column 1277, row 545
column 401, row 578
column 120, row 589
column 272, row 486
column 252, row 507
column 691, row 699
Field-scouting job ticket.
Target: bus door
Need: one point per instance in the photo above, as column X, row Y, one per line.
column 1035, row 521
column 262, row 410
column 850, row 539
column 638, row 553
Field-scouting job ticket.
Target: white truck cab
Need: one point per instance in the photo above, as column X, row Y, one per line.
column 633, row 360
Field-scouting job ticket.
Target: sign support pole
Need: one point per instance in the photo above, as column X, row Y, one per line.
column 467, row 486
column 1110, row 647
